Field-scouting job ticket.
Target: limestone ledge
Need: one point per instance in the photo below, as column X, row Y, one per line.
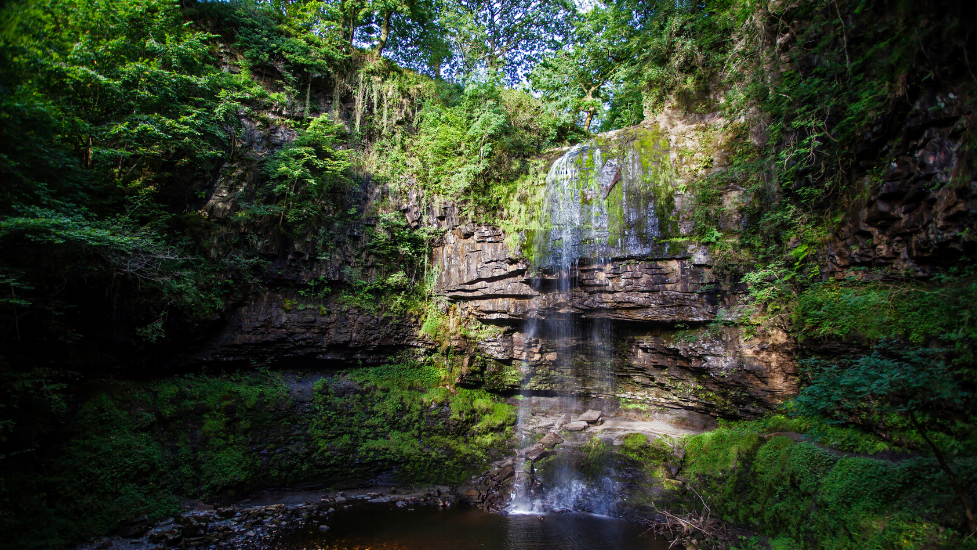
column 715, row 371
column 478, row 271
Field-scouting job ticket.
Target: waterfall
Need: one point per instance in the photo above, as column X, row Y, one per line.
column 602, row 203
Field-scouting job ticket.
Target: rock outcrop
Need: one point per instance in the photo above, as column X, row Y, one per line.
column 656, row 300
column 285, row 330
column 480, row 272
column 662, row 295
column 922, row 217
column 659, row 295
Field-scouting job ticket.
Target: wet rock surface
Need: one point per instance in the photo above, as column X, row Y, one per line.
column 914, row 222
column 494, row 284
column 713, row 370
column 624, row 489
column 659, row 297
column 591, row 416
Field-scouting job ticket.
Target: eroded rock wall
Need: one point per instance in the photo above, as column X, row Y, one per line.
column 658, row 306
column 663, row 304
column 284, row 329
column 665, row 351
column 923, row 214
column 660, row 300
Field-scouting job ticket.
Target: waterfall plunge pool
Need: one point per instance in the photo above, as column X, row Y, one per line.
column 379, row 527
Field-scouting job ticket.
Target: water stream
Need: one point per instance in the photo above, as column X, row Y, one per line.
column 600, row 205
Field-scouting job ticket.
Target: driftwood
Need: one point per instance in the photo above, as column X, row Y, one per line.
column 695, row 529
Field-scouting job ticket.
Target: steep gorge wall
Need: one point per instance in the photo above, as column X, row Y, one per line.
column 664, row 293
column 920, row 215
column 663, row 354
column 669, row 350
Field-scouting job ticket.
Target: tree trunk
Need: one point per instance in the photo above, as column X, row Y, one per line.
column 967, row 510
column 308, row 91
column 590, row 99
column 436, row 67
column 350, row 30
column 384, row 33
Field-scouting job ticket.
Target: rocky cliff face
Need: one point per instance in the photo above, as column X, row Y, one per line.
column 281, row 329
column 664, row 354
column 923, row 214
column 658, row 297
column 658, row 291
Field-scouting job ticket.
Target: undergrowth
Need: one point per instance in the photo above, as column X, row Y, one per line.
column 809, row 497
column 119, row 450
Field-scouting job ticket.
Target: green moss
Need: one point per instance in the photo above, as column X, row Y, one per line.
column 436, row 323
column 873, row 310
column 658, row 178
column 718, row 451
column 647, row 182
column 398, row 417
column 225, row 468
column 129, row 449
column 499, row 376
column 652, row 454
column 809, row 497
column 841, row 437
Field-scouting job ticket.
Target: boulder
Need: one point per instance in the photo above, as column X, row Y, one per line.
column 590, row 417
column 576, row 426
column 551, row 440
column 536, row 452
column 467, row 494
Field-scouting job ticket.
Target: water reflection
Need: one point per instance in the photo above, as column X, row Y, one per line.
column 428, row 528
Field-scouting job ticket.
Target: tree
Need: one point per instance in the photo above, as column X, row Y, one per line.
column 917, row 385
column 305, row 174
column 356, row 22
column 506, row 37
column 412, row 11
column 421, row 44
column 575, row 79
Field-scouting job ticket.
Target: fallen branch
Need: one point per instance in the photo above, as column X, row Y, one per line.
column 696, row 529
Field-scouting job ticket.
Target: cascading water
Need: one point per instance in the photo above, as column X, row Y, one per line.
column 600, row 206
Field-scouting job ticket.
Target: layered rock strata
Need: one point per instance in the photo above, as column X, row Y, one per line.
column 279, row 329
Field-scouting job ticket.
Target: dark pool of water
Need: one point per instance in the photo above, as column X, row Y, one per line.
column 428, row 528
